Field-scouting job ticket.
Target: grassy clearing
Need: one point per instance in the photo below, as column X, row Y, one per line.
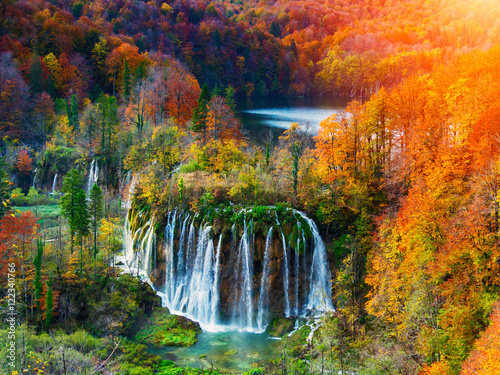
column 52, row 211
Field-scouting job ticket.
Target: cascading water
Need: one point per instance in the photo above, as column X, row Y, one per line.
column 221, row 281
column 93, row 176
column 297, row 276
column 263, row 291
column 54, row 184
column 138, row 249
column 34, row 177
column 243, row 307
column 286, row 276
column 321, row 292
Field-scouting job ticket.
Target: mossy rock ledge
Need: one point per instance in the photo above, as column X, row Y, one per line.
column 164, row 329
column 280, row 326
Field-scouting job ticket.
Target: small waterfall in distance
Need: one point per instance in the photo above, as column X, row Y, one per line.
column 54, row 184
column 93, row 176
column 34, row 177
column 204, row 272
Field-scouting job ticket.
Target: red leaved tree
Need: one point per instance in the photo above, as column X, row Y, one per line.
column 23, row 163
column 16, row 237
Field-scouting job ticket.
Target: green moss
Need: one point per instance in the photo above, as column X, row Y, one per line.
column 300, row 336
column 287, row 230
column 231, row 352
column 165, row 329
column 260, row 213
column 279, row 326
column 293, row 237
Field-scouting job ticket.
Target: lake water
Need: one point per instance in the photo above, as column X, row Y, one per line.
column 231, row 352
column 263, row 116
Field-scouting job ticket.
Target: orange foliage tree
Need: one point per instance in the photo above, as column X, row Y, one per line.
column 118, row 58
column 23, row 163
column 16, row 238
column 182, row 94
column 221, row 123
column 484, row 358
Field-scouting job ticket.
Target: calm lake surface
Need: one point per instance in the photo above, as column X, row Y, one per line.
column 262, row 116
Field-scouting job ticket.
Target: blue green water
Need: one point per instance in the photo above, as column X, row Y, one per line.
column 218, row 349
column 261, row 116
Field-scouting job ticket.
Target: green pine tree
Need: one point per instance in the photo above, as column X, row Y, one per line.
column 37, row 281
column 49, row 302
column 82, row 223
column 140, row 73
column 113, row 121
column 201, row 112
column 103, row 105
column 95, row 208
column 216, row 91
column 72, row 187
column 35, row 75
column 60, row 106
column 72, row 111
column 275, row 29
column 230, row 98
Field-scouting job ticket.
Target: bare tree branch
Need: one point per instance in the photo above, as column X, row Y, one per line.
column 101, row 366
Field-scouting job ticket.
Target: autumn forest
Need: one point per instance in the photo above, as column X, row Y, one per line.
column 124, row 162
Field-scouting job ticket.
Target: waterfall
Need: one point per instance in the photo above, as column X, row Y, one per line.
column 128, row 243
column 34, row 177
column 198, row 301
column 54, row 184
column 296, row 309
column 212, row 279
column 215, row 286
column 243, row 308
column 264, row 285
column 138, row 249
column 147, row 243
column 169, row 255
column 286, row 280
column 191, row 288
column 93, row 176
column 320, row 295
